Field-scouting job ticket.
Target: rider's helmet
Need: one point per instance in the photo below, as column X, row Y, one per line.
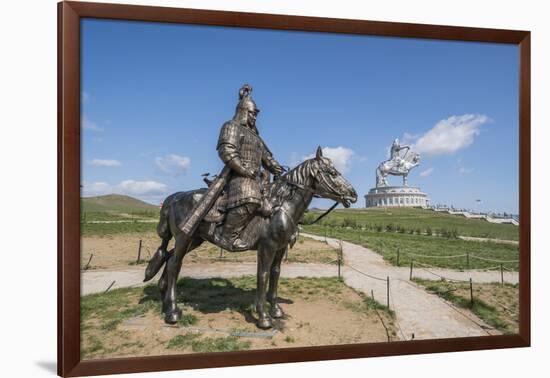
column 396, row 142
column 246, row 108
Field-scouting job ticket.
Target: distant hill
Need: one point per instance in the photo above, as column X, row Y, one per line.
column 115, row 203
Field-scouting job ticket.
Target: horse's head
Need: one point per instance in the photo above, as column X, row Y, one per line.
column 329, row 183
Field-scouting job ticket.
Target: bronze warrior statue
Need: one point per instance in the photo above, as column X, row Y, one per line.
column 242, row 149
column 242, row 210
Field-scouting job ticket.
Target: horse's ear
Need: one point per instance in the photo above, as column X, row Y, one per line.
column 319, row 153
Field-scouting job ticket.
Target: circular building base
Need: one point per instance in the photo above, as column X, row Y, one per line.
column 396, row 196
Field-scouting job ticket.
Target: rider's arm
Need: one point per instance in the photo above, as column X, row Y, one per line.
column 228, row 150
column 271, row 164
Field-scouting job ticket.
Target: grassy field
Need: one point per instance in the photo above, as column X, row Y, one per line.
column 218, row 312
column 418, row 220
column 387, row 244
column 495, row 304
column 106, row 229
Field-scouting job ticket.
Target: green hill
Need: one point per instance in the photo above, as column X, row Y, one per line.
column 418, row 220
column 116, row 203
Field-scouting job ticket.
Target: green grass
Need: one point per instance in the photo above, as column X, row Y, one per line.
column 493, row 314
column 387, row 243
column 94, row 216
column 105, row 229
column 207, row 344
column 418, row 219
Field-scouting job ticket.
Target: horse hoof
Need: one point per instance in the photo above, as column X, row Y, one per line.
column 264, row 323
column 172, row 317
column 276, row 312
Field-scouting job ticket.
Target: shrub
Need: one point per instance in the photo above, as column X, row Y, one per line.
column 429, row 231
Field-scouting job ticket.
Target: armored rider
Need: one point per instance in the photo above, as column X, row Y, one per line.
column 242, row 149
column 395, row 155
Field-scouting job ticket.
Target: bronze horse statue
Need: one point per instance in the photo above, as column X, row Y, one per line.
column 291, row 195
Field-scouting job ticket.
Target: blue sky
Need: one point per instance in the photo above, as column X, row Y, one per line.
column 154, row 97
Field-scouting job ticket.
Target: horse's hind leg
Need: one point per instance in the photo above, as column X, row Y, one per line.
column 163, row 281
column 265, row 260
column 275, row 272
column 171, row 273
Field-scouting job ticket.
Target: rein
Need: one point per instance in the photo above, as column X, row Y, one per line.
column 323, row 215
column 303, row 187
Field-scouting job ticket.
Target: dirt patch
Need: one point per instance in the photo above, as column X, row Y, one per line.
column 121, row 251
column 219, row 316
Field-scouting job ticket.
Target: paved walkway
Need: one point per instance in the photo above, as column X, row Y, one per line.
column 418, row 312
column 97, row 281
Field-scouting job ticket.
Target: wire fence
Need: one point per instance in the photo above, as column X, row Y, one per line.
column 389, row 300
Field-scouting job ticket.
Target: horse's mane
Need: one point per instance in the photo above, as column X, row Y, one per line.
column 281, row 190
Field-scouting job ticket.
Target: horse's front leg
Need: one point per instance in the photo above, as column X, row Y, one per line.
column 276, row 311
column 265, row 259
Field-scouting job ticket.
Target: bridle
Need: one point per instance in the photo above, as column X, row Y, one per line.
column 313, row 193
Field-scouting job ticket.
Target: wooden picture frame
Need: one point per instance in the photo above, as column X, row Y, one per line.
column 69, row 16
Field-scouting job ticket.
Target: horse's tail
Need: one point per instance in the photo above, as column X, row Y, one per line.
column 163, row 227
column 163, row 230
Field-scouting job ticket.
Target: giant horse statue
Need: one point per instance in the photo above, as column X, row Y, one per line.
column 399, row 166
column 290, row 195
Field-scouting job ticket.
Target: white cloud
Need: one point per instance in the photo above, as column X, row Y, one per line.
column 89, row 125
column 450, row 135
column 105, row 163
column 427, row 172
column 84, row 97
column 464, row 170
column 340, row 157
column 173, row 164
column 127, row 187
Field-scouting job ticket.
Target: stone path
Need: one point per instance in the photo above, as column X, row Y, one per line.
column 418, row 312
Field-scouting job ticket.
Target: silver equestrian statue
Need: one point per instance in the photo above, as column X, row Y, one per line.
column 398, row 164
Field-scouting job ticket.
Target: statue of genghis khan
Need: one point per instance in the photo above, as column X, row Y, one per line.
column 397, row 164
column 242, row 149
column 395, row 152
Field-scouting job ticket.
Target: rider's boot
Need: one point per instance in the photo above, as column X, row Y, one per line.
column 235, row 222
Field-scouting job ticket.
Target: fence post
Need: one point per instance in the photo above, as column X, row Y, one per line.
column 467, row 260
column 221, row 253
column 397, row 256
column 501, row 275
column 471, row 294
column 388, row 290
column 89, row 261
column 339, row 262
column 372, row 293
column 139, row 252
column 411, row 273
